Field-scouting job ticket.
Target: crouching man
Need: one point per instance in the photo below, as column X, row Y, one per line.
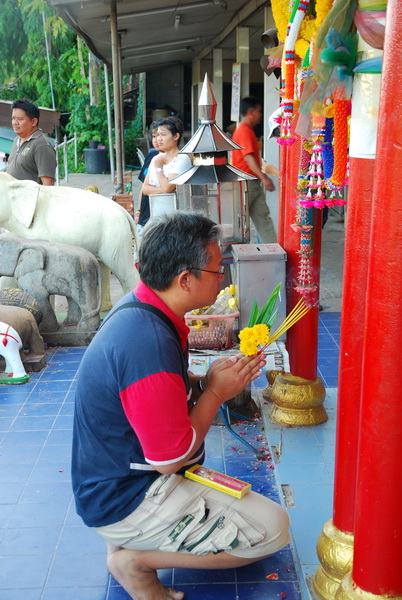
column 141, row 419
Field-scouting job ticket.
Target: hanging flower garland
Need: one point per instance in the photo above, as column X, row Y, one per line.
column 306, row 285
column 304, row 226
column 309, row 27
column 281, row 14
column 338, row 178
column 328, row 158
column 327, row 148
column 298, row 14
column 297, row 21
column 315, row 178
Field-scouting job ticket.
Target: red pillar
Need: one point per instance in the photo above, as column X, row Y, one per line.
column 378, row 526
column 350, row 365
column 302, row 338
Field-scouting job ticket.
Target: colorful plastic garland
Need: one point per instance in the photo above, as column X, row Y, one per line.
column 298, row 13
column 309, row 26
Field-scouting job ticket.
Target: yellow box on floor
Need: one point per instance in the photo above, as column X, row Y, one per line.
column 219, row 481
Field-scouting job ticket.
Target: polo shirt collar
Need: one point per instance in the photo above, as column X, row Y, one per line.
column 32, row 136
column 146, row 294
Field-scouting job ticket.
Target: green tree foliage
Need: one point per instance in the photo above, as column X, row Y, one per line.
column 12, row 41
column 24, row 67
column 90, row 122
column 24, row 71
column 133, row 131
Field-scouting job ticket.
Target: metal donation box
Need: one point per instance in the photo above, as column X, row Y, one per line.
column 256, row 271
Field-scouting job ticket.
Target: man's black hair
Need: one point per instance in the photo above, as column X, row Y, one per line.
column 173, row 243
column 28, row 107
column 248, row 103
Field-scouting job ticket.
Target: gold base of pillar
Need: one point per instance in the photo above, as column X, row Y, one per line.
column 297, row 401
column 349, row 591
column 335, row 552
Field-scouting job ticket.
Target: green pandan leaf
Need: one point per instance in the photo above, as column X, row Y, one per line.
column 272, row 319
column 253, row 314
column 268, row 313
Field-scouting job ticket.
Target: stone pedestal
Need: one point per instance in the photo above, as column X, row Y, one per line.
column 68, row 336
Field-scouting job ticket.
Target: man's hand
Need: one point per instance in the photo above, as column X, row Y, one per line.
column 267, row 183
column 269, row 169
column 228, row 377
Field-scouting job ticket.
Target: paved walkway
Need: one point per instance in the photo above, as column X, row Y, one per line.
column 104, row 183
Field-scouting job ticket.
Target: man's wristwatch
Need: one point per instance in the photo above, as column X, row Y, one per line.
column 200, row 385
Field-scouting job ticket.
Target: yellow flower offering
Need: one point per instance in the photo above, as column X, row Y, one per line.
column 251, row 338
column 257, row 336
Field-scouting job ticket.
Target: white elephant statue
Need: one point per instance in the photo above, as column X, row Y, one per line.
column 44, row 268
column 10, row 346
column 75, row 217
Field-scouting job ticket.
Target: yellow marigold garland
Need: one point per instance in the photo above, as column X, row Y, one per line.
column 311, row 25
column 301, row 48
column 281, row 14
column 281, row 10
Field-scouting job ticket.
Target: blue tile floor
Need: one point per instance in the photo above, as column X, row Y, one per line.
column 46, row 553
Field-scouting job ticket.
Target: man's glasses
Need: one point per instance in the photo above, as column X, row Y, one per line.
column 221, row 271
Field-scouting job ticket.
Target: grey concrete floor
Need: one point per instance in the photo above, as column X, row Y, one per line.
column 332, row 240
column 333, row 237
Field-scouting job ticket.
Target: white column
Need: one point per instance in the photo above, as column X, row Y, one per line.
column 270, row 150
column 218, row 84
column 195, row 94
column 243, row 57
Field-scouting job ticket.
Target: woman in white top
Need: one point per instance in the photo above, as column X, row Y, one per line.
column 168, row 163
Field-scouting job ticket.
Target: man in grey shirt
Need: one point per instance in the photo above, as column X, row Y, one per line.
column 32, row 156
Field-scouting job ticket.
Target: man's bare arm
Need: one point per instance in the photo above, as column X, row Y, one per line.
column 256, row 168
column 47, row 180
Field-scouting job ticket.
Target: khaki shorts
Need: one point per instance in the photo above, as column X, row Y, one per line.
column 180, row 515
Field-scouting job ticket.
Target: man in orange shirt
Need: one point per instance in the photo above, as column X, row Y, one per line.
column 248, row 159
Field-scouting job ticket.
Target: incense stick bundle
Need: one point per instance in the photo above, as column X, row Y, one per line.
column 295, row 315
